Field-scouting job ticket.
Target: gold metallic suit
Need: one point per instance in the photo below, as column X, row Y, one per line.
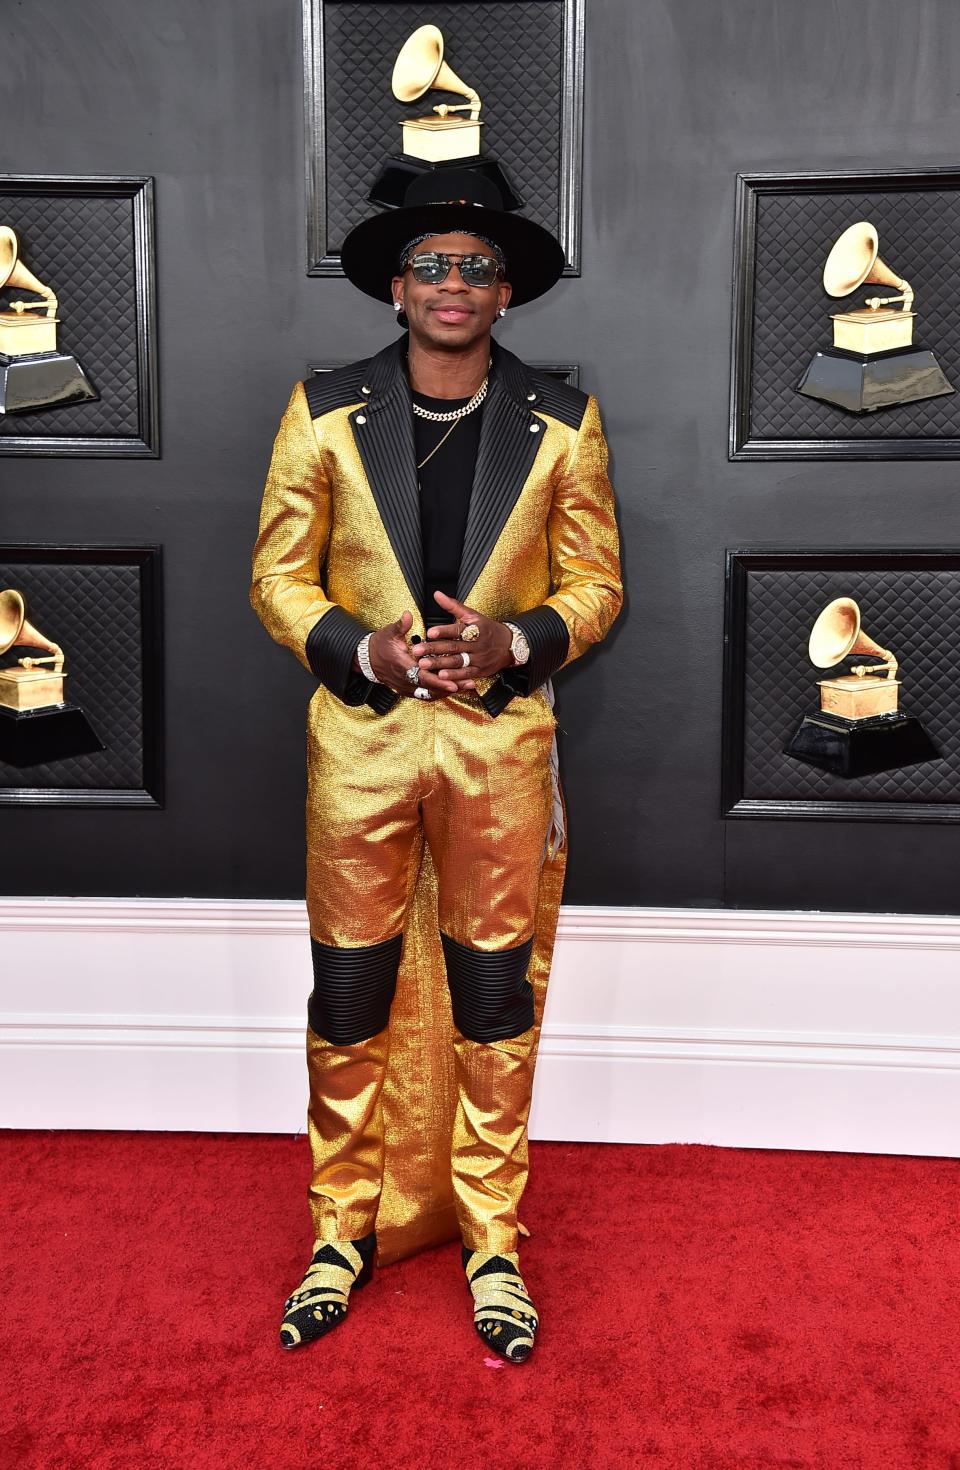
column 429, row 819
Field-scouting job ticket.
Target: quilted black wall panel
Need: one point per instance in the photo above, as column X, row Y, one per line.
column 94, row 611
column 94, row 250
column 915, row 613
column 789, row 317
column 512, row 53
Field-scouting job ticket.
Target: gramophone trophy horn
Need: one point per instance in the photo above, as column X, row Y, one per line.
column 420, row 68
column 36, row 725
column 873, row 363
column 855, row 261
column 26, row 686
column 838, row 633
column 858, row 729
column 14, row 275
column 33, row 374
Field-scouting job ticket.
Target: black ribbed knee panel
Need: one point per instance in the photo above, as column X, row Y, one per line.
column 492, row 997
column 352, row 990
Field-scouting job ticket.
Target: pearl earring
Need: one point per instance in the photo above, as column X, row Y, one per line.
column 502, row 311
column 398, row 306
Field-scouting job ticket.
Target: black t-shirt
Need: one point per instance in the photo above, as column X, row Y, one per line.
column 446, row 480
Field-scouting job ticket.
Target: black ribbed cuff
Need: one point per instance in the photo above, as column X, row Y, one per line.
column 380, row 698
column 549, row 641
column 331, row 645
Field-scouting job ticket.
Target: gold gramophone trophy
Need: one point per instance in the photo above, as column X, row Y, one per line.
column 441, row 136
column 859, row 729
column 33, row 374
column 873, row 362
column 36, row 723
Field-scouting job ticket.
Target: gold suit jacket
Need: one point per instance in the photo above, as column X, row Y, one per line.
column 339, row 554
column 339, row 551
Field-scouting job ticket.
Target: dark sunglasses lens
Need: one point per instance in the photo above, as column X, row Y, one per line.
column 478, row 270
column 430, row 269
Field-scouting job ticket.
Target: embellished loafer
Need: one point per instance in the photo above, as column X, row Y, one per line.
column 320, row 1301
column 503, row 1313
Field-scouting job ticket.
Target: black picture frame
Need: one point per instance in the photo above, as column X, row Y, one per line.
column 143, row 442
column 745, row 441
column 739, row 565
column 323, row 257
column 565, row 372
column 147, row 561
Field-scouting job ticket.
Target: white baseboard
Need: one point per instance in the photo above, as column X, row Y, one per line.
column 764, row 1030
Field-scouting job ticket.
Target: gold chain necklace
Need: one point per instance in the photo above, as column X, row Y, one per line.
column 456, row 414
column 441, row 443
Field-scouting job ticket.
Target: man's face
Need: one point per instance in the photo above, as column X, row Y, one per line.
column 452, row 314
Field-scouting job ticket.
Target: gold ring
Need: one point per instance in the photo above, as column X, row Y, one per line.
column 470, row 633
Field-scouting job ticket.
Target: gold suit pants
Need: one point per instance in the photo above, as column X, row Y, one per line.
column 478, row 791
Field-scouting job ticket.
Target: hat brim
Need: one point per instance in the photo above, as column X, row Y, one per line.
column 370, row 253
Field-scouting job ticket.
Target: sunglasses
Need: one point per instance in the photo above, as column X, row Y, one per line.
column 433, row 266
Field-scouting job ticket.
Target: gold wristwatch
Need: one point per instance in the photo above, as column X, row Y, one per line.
column 520, row 648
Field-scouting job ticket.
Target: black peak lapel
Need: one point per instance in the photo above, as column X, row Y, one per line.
column 384, row 368
column 383, row 433
column 509, row 439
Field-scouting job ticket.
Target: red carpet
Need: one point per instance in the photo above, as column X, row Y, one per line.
column 704, row 1309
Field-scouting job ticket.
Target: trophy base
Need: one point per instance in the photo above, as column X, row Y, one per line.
column 440, row 140
column 398, row 173
column 864, row 382
column 861, row 747
column 36, row 736
column 858, row 699
column 42, row 380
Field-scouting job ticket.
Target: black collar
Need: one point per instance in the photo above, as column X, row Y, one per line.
column 384, row 370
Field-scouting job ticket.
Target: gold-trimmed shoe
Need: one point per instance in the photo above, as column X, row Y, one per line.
column 503, row 1313
column 320, row 1301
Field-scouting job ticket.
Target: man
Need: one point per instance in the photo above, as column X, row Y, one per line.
column 437, row 539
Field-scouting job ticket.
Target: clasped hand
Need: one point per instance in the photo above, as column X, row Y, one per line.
column 442, row 670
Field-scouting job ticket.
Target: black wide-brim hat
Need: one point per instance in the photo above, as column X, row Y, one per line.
column 442, row 202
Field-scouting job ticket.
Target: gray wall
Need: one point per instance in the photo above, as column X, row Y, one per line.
column 680, row 95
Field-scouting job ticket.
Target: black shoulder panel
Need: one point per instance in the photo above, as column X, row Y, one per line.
column 559, row 400
column 335, row 389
